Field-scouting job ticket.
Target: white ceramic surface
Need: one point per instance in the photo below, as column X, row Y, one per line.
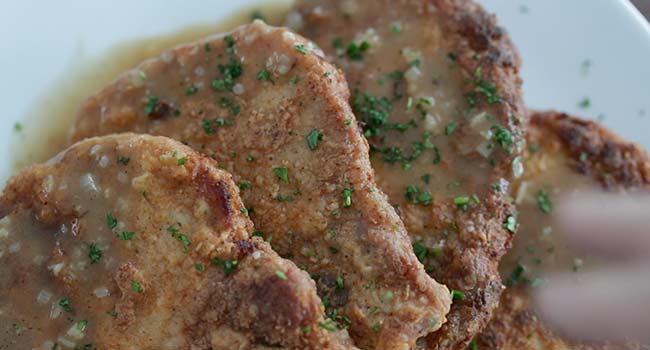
column 39, row 40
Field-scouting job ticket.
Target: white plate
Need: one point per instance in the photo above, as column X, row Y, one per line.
column 42, row 40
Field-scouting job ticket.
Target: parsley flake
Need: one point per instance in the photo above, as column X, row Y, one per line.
column 111, row 221
column 313, row 137
column 281, row 275
column 301, row 48
column 136, row 287
column 544, row 202
column 126, row 235
column 457, row 295
column 94, row 253
column 282, row 173
column 346, row 194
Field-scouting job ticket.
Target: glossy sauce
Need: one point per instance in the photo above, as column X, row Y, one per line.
column 539, row 248
column 58, row 105
column 57, row 293
column 409, row 93
column 30, row 280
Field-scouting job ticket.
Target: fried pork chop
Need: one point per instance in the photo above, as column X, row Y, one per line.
column 435, row 85
column 271, row 110
column 566, row 155
column 139, row 242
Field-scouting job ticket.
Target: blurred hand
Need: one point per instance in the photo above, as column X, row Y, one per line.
column 613, row 303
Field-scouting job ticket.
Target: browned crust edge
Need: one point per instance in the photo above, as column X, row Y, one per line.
column 483, row 46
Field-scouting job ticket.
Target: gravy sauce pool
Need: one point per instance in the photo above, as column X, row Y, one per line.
column 44, row 134
column 539, row 248
column 45, row 126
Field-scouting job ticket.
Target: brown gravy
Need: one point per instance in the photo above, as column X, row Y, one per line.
column 59, row 101
column 539, row 247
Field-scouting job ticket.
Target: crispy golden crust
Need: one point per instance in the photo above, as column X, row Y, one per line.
column 477, row 32
column 135, row 232
column 593, row 151
column 481, row 50
column 596, row 151
column 273, row 112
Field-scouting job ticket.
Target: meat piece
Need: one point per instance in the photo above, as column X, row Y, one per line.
column 271, row 110
column 139, row 242
column 566, row 155
column 437, row 91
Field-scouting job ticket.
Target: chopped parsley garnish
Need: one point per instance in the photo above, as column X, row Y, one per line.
column 282, row 173
column 417, row 196
column 294, row 80
column 585, row 103
column 482, row 88
column 181, row 161
column 376, row 327
column 328, row 325
column 421, row 251
column 472, row 345
column 81, row 325
column 111, row 221
column 396, row 27
column 461, row 200
column 18, row 127
column 373, row 112
column 230, row 72
column 207, row 47
column 191, row 90
column 339, row 282
column 301, row 48
column 175, row 233
column 313, row 137
column 209, row 124
column 544, row 202
column 126, row 235
column 280, row 198
column 450, row 128
column 503, row 137
column 230, row 42
column 150, row 106
column 337, row 43
column 65, row 305
column 199, row 267
column 136, row 287
column 281, row 275
column 244, row 185
column 228, row 266
column 355, row 52
column 346, row 194
column 227, row 103
column 264, row 75
column 457, row 295
column 123, row 160
column 94, row 253
column 515, row 276
column 510, row 224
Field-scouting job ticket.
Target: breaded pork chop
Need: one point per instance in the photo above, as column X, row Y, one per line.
column 566, row 155
column 264, row 103
column 436, row 87
column 139, row 242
